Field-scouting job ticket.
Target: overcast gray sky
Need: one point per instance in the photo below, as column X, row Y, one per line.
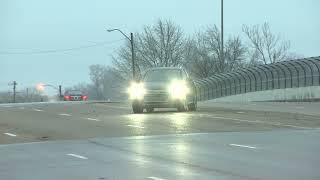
column 42, row 25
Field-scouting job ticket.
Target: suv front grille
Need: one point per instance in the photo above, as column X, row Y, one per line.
column 156, row 96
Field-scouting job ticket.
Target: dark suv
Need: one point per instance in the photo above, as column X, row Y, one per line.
column 165, row 87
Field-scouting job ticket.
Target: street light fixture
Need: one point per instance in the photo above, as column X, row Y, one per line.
column 132, row 49
column 40, row 87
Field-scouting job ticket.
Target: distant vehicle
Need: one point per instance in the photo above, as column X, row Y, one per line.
column 74, row 95
column 165, row 87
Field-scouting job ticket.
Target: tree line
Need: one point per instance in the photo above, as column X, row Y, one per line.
column 30, row 94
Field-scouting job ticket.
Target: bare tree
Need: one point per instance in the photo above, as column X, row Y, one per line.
column 266, row 46
column 161, row 44
column 106, row 83
column 97, row 72
column 197, row 58
column 204, row 57
column 30, row 94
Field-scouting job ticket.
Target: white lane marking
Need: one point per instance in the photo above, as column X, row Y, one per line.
column 63, row 114
column 240, row 145
column 240, row 112
column 7, row 106
column 21, row 107
column 154, row 178
column 77, row 156
column 117, row 107
column 257, row 121
column 10, row 134
column 39, row 110
column 93, row 119
column 141, row 127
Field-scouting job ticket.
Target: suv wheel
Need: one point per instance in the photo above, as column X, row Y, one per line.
column 183, row 107
column 193, row 106
column 137, row 108
column 150, row 109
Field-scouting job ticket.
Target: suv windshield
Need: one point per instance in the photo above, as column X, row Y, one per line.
column 162, row 75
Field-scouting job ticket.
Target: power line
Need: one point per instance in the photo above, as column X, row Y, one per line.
column 60, row 50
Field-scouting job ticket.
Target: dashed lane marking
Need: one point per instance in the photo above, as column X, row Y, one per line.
column 135, row 126
column 10, row 134
column 63, row 114
column 154, row 178
column 77, row 156
column 93, row 119
column 244, row 146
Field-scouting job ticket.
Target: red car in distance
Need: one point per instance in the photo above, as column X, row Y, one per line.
column 75, row 95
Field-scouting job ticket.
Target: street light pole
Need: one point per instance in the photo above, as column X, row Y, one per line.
column 132, row 50
column 222, row 48
column 14, row 91
column 132, row 58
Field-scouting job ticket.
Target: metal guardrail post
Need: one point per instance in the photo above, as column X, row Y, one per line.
column 304, row 71
column 246, row 73
column 230, row 84
column 274, row 66
column 298, row 74
column 234, row 76
column 266, row 74
column 311, row 70
column 272, row 76
column 315, row 62
column 255, row 79
column 240, row 84
column 215, row 82
column 220, row 82
column 280, row 65
column 225, row 81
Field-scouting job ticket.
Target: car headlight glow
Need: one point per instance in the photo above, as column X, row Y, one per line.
column 136, row 91
column 178, row 89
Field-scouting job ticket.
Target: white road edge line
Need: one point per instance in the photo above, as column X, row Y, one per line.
column 257, row 121
column 93, row 119
column 39, row 110
column 117, row 107
column 240, row 112
column 239, row 145
column 154, row 178
column 10, row 134
column 63, row 114
column 141, row 127
column 77, row 156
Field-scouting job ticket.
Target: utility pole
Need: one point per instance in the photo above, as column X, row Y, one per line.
column 27, row 99
column 60, row 92
column 14, row 91
column 132, row 56
column 222, row 48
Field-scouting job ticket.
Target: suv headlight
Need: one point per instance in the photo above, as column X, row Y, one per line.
column 136, row 91
column 178, row 89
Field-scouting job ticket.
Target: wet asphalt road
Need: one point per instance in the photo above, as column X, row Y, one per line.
column 106, row 141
